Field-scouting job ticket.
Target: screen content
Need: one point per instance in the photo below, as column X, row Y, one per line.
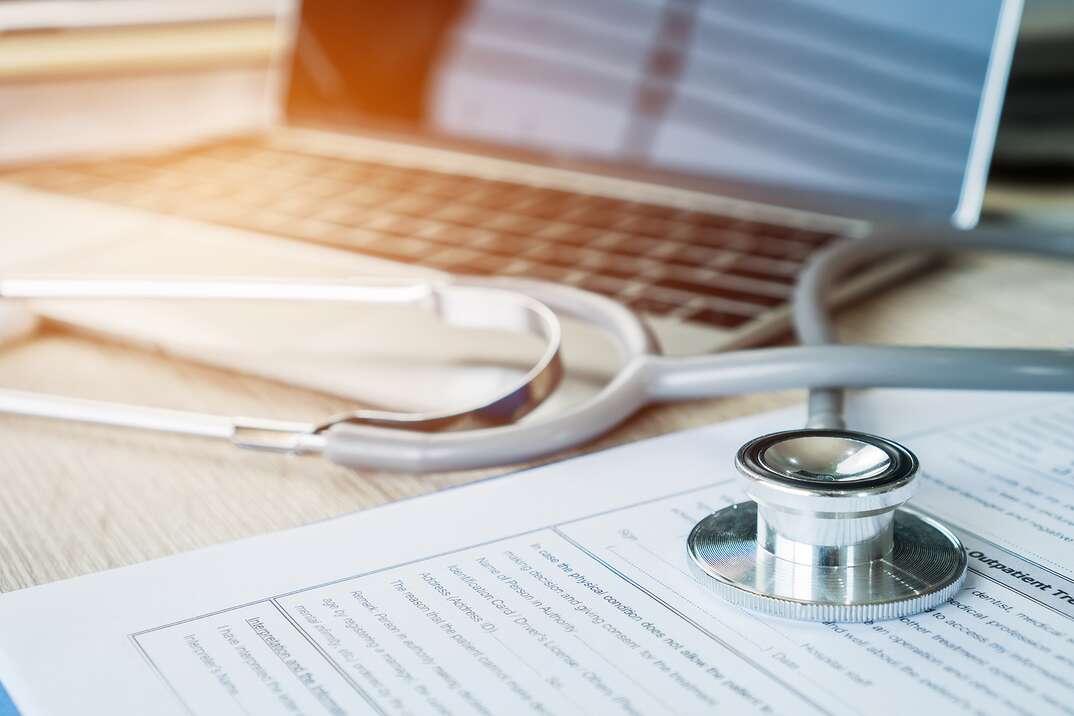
column 874, row 98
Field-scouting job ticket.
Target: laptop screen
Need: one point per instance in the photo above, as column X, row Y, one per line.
column 875, row 99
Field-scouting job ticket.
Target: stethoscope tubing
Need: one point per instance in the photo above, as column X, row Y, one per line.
column 657, row 379
column 814, row 324
column 820, row 365
column 645, row 377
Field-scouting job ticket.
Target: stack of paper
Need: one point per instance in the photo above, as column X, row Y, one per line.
column 565, row 589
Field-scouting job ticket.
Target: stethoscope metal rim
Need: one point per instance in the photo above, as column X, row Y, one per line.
column 722, row 550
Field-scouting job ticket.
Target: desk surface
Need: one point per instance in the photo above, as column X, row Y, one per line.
column 79, row 499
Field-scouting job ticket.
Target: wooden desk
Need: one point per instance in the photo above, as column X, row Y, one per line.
column 78, row 499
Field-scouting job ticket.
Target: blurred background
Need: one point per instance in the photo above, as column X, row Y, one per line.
column 1033, row 167
column 101, row 76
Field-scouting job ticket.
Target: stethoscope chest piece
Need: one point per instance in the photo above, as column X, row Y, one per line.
column 825, row 537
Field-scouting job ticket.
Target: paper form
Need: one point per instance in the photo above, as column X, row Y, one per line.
column 565, row 589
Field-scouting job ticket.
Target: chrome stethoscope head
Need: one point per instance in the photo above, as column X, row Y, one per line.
column 823, row 537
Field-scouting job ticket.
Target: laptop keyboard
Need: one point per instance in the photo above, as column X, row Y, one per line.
column 700, row 267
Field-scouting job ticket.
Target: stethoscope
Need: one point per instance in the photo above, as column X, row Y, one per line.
column 823, row 537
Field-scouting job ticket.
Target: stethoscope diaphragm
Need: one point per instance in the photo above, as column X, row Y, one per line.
column 825, row 536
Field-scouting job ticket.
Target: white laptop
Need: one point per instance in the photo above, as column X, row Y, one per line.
column 684, row 158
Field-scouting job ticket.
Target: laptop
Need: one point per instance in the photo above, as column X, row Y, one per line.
column 684, row 158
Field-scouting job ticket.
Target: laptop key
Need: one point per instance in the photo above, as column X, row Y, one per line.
column 508, row 244
column 693, row 256
column 655, row 211
column 632, row 245
column 412, row 204
column 403, row 226
column 592, row 216
column 515, row 223
column 602, row 284
column 449, row 259
column 401, row 249
column 647, row 226
column 654, row 306
column 543, row 272
column 389, row 180
column 484, row 265
column 601, row 204
column 445, row 187
column 453, row 234
column 538, row 208
column 712, row 289
column 779, row 248
column 762, row 228
column 565, row 256
column 818, row 238
column 344, row 214
column 362, row 196
column 750, row 269
column 708, row 221
column 619, row 266
column 572, row 234
column 486, row 198
column 757, row 245
column 713, row 317
column 461, row 214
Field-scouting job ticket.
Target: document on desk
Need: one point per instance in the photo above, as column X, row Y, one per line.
column 565, row 589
